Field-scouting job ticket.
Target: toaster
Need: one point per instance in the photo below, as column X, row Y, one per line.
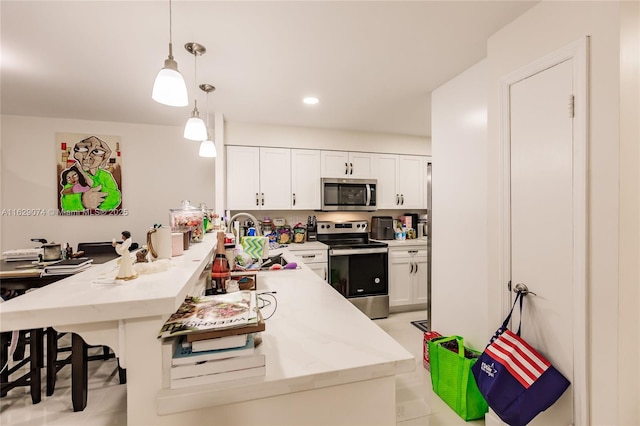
column 382, row 228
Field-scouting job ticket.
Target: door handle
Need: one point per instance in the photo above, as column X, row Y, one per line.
column 520, row 287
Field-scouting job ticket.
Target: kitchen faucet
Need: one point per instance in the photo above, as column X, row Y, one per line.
column 250, row 216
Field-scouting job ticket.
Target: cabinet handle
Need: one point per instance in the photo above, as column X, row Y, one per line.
column 294, row 198
column 412, row 251
column 351, row 166
column 325, row 274
column 257, row 200
column 397, row 199
column 263, row 198
column 309, row 256
column 346, row 168
column 416, row 268
column 411, row 263
column 402, row 198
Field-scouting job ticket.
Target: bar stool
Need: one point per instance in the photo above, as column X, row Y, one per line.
column 33, row 339
column 79, row 360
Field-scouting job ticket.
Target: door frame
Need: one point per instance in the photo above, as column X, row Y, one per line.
column 579, row 53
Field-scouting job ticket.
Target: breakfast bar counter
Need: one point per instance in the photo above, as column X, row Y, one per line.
column 326, row 362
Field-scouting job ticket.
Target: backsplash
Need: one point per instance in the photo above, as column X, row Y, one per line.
column 300, row 216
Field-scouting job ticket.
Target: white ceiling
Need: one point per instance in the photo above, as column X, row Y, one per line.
column 372, row 64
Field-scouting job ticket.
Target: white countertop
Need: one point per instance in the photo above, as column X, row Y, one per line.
column 405, row 243
column 92, row 294
column 315, row 339
column 308, row 245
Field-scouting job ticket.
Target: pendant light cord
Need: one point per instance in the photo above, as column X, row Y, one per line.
column 170, row 33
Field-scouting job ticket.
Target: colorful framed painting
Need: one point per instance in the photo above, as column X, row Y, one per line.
column 89, row 173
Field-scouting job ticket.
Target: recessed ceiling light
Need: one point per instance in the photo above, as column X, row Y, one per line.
column 311, row 100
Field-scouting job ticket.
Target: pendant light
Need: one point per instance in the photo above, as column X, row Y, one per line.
column 169, row 87
column 195, row 129
column 207, row 147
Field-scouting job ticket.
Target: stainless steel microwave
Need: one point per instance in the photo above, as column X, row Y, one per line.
column 341, row 194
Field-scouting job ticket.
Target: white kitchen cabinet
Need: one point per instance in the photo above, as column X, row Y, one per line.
column 258, row 178
column 401, row 181
column 243, row 177
column 316, row 260
column 305, row 179
column 408, row 276
column 356, row 165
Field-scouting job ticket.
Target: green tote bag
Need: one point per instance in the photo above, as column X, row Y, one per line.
column 452, row 379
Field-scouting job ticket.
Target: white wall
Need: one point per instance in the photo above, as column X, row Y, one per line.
column 313, row 138
column 544, row 29
column 459, row 271
column 159, row 169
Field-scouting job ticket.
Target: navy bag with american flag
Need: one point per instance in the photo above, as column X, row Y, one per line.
column 516, row 380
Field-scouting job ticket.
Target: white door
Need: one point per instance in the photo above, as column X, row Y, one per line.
column 243, row 177
column 387, row 177
column 361, row 165
column 305, row 179
column 411, row 181
column 334, row 163
column 275, row 178
column 542, row 228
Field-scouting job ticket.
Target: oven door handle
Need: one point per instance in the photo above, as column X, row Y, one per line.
column 347, row 252
column 368, row 201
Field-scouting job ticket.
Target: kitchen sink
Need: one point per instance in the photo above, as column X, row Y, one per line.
column 273, row 260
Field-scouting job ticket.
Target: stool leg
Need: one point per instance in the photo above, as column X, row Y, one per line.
column 4, row 359
column 52, row 357
column 122, row 373
column 79, row 373
column 35, row 361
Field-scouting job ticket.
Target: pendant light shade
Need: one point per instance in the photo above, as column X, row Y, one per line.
column 207, row 149
column 195, row 129
column 169, row 87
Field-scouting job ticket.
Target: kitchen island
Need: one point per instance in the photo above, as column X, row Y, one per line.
column 327, row 363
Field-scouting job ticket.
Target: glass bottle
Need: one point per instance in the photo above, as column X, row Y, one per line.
column 220, row 272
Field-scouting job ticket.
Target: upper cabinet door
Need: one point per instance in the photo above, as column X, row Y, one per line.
column 305, row 179
column 412, row 170
column 243, row 178
column 275, row 178
column 388, row 196
column 362, row 165
column 357, row 165
column 334, row 163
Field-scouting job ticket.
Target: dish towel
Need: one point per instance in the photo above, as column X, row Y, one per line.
column 256, row 247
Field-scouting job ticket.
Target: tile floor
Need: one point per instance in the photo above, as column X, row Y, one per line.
column 107, row 402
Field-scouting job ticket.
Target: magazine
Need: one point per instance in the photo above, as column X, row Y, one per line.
column 217, row 312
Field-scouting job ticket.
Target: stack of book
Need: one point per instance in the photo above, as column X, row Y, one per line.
column 67, row 266
column 214, row 338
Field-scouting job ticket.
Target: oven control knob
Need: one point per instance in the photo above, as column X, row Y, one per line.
column 377, row 280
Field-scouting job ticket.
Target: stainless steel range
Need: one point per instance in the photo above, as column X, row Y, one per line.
column 358, row 267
